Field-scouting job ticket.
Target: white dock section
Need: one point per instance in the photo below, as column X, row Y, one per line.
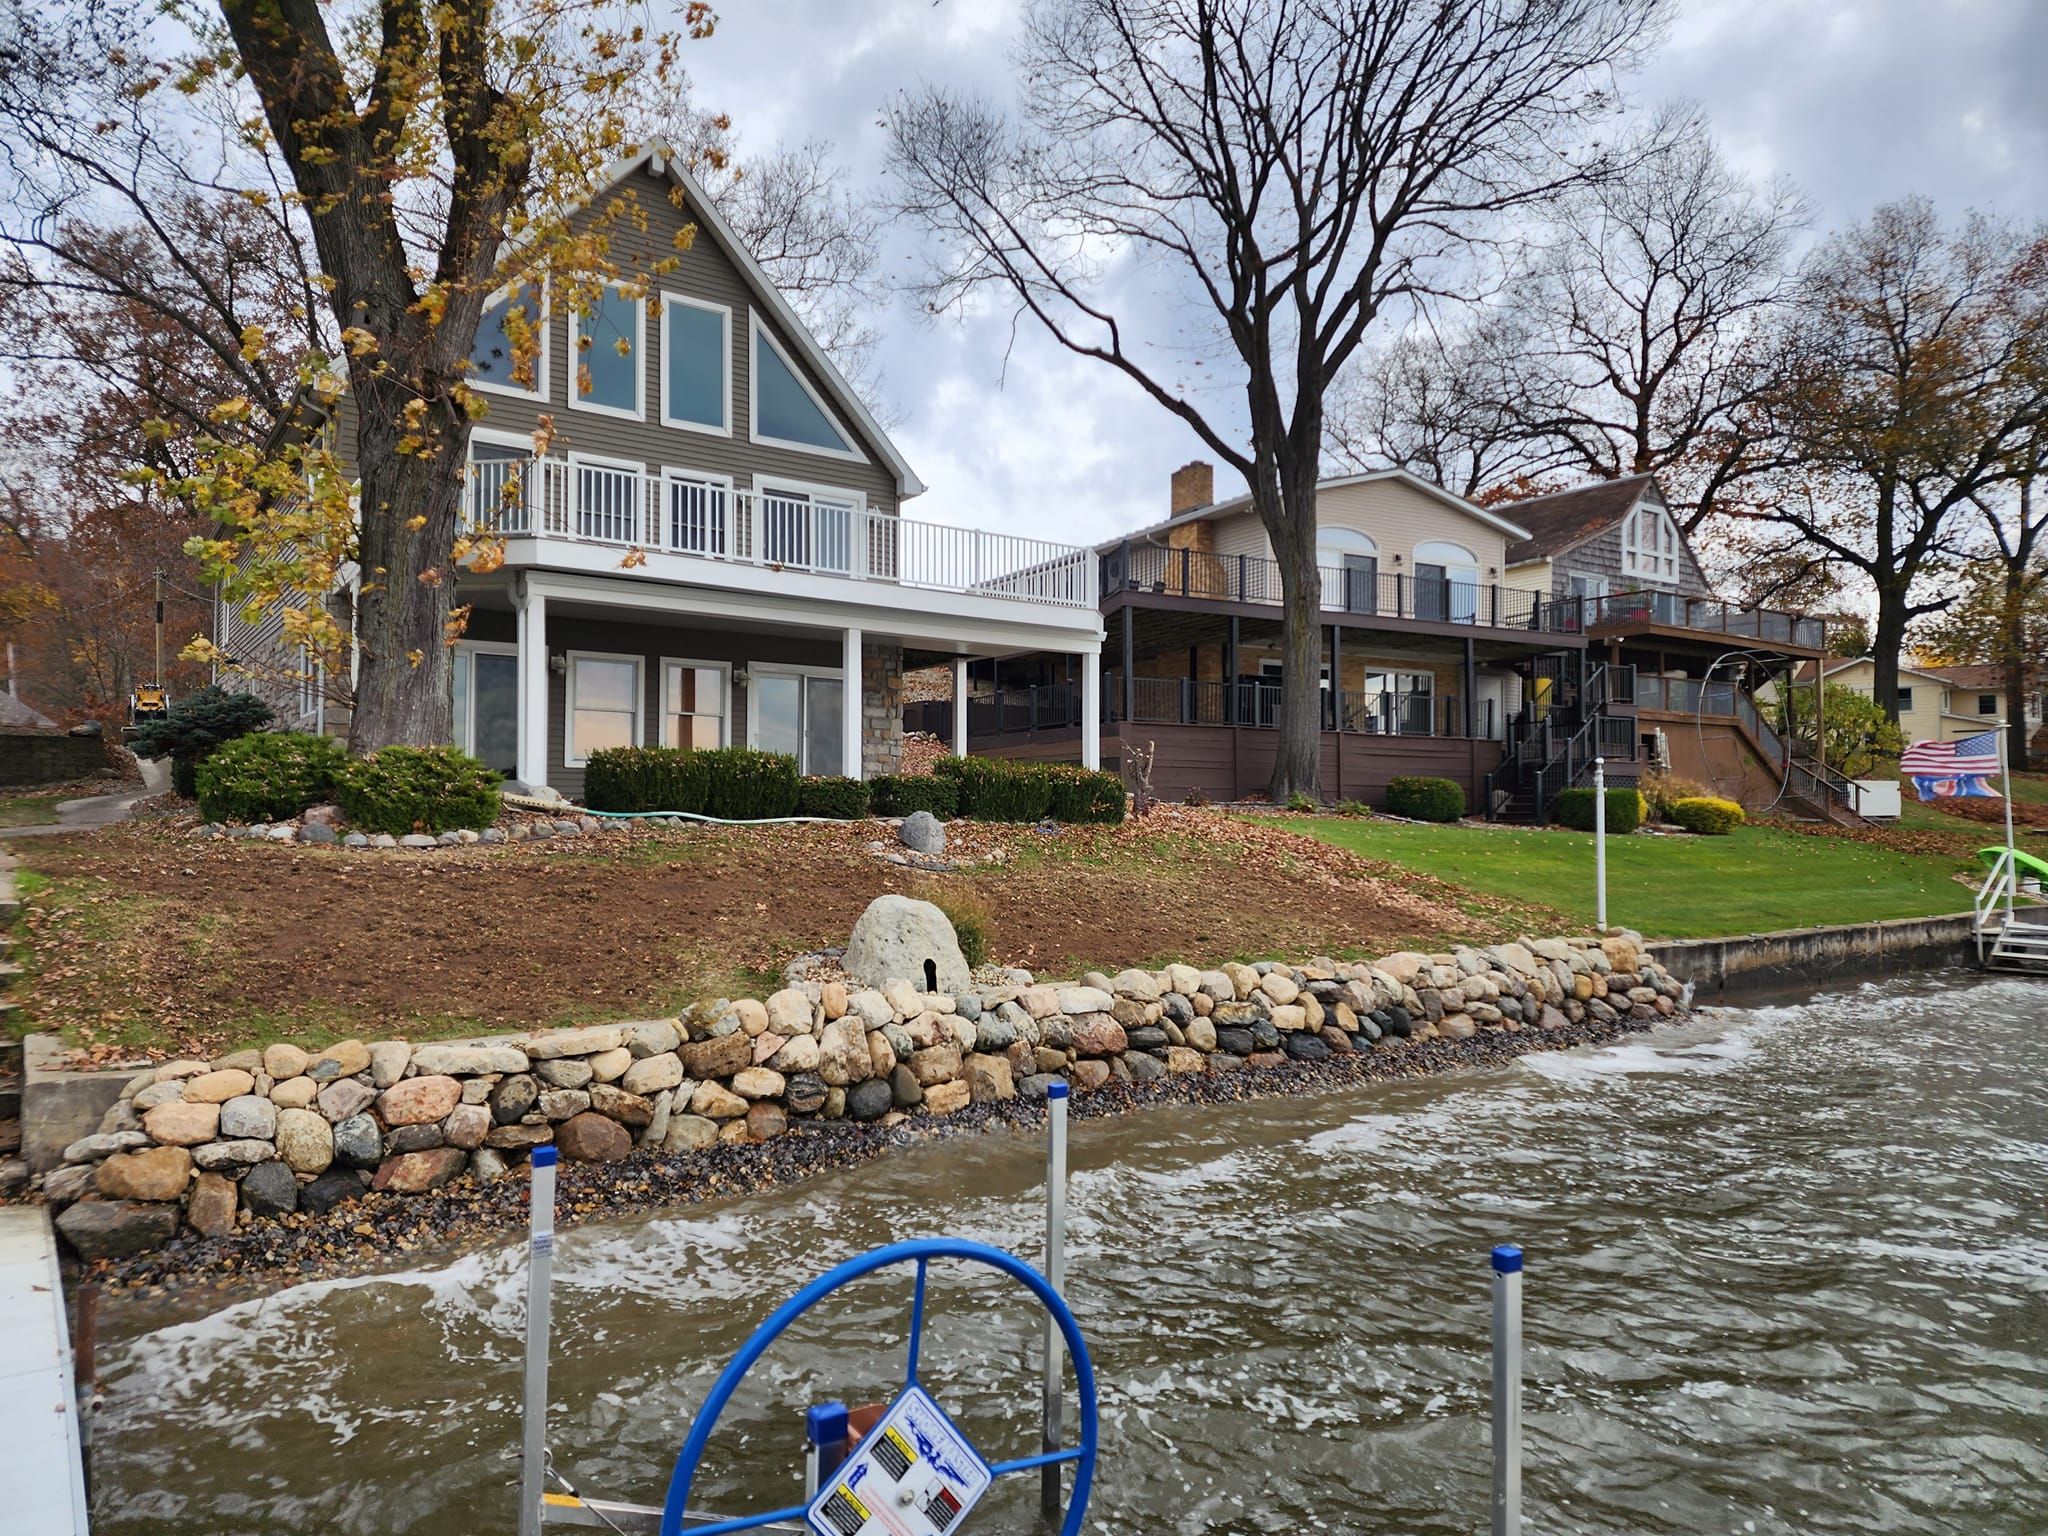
column 42, row 1460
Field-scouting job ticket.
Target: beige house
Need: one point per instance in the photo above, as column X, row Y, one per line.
column 1938, row 703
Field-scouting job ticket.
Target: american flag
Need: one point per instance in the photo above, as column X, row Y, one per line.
column 1948, row 770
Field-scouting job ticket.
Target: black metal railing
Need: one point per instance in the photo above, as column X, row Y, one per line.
column 1710, row 615
column 1250, row 701
column 1364, row 592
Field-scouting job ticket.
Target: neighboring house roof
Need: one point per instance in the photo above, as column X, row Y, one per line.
column 1845, row 663
column 661, row 160
column 17, row 716
column 1399, row 476
column 1564, row 520
column 1983, row 675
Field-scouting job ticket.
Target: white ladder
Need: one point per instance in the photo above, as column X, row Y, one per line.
column 2004, row 941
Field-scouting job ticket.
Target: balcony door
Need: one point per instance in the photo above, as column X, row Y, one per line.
column 1350, row 566
column 809, row 527
column 1446, row 582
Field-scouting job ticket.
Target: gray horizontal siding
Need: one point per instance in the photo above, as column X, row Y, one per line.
column 652, row 643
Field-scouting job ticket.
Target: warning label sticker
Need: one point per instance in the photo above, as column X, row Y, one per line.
column 913, row 1474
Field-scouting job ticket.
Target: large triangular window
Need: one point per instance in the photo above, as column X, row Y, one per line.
column 786, row 410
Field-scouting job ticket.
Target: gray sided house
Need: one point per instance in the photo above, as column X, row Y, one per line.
column 1672, row 668
column 712, row 549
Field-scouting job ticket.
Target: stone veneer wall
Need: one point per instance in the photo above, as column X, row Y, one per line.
column 259, row 1134
column 881, row 708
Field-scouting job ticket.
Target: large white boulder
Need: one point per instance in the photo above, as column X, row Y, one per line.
column 897, row 937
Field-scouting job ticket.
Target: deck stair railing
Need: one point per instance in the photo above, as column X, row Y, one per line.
column 1555, row 751
column 2008, row 937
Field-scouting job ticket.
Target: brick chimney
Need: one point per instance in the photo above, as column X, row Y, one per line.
column 1194, row 485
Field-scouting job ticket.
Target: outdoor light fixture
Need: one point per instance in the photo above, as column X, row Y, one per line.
column 558, row 663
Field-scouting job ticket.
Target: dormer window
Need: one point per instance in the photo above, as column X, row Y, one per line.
column 1649, row 545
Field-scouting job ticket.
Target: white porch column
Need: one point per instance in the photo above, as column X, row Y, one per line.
column 850, row 701
column 533, row 688
column 959, row 706
column 1091, row 707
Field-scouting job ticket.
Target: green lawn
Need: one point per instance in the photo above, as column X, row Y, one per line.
column 1753, row 881
column 31, row 810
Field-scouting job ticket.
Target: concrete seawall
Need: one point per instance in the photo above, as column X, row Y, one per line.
column 1747, row 965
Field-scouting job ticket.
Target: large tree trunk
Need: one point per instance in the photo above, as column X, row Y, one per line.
column 405, row 677
column 1885, row 642
column 1297, row 765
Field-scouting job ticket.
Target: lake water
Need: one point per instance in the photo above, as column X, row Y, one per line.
column 1788, row 1272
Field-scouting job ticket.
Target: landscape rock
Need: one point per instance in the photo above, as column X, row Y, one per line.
column 335, row 1187
column 897, row 936
column 350, row 1096
column 116, row 1229
column 593, row 1138
column 270, row 1189
column 419, row 1100
column 218, row 1087
column 414, row 1173
column 248, row 1116
column 210, row 1211
column 160, row 1173
column 282, row 1062
column 689, row 1133
column 305, row 1140
column 653, row 1074
column 179, row 1124
column 869, row 1100
column 467, row 1060
column 922, row 832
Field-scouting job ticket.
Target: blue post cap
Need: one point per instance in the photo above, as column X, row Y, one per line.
column 825, row 1423
column 1507, row 1259
column 544, row 1157
column 1058, row 1090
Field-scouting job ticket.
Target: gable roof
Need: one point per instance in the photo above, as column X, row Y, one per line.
column 18, row 716
column 1804, row 671
column 659, row 159
column 1981, row 676
column 1405, row 477
column 1564, row 520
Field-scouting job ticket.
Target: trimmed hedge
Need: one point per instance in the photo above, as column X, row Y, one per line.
column 1574, row 808
column 269, row 776
column 732, row 783
column 898, row 794
column 1708, row 815
column 835, row 798
column 417, row 789
column 996, row 789
column 1425, row 799
column 191, row 730
column 1085, row 794
column 644, row 779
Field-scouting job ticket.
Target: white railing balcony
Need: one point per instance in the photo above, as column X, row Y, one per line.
column 777, row 531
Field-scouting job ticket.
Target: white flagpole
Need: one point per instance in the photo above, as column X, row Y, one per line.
column 2011, row 847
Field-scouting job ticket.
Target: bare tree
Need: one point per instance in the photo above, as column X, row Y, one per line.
column 1644, row 310
column 1447, row 404
column 1288, row 170
column 1905, row 393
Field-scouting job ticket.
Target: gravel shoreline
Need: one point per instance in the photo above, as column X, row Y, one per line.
column 379, row 1232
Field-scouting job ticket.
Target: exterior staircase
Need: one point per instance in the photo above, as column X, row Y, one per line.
column 1542, row 755
column 2009, row 937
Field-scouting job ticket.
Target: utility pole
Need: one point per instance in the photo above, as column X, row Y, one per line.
column 159, row 678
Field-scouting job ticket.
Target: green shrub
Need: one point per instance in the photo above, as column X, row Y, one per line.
column 1574, row 808
column 1663, row 790
column 969, row 913
column 417, row 789
column 995, row 789
column 898, row 794
column 1424, row 799
column 193, row 727
column 645, row 779
column 834, row 798
column 1356, row 808
column 1708, row 815
column 1302, row 800
column 1085, row 795
column 741, row 784
column 268, row 776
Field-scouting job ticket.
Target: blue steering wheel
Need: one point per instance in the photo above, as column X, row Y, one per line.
column 920, row 1252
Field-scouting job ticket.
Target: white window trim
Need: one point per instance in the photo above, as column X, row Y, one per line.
column 601, row 461
column 785, row 669
column 479, row 648
column 1639, row 563
column 639, row 663
column 541, row 363
column 639, row 411
column 724, row 312
column 670, row 474
column 759, row 334
column 723, row 668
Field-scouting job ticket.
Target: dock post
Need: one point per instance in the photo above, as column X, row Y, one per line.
column 1051, row 1494
column 1507, row 1391
column 540, row 1271
column 1600, row 844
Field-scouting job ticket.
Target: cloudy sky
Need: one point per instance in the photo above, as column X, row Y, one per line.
column 1857, row 100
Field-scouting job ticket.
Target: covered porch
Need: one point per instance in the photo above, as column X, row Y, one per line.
column 556, row 665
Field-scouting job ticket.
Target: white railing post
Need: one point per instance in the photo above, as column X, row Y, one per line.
column 1050, row 1491
column 540, row 1270
column 1507, row 1391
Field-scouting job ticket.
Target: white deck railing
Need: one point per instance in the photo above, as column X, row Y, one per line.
column 685, row 515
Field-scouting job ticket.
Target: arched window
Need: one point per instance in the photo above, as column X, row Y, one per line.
column 1446, row 582
column 1350, row 563
column 1649, row 545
